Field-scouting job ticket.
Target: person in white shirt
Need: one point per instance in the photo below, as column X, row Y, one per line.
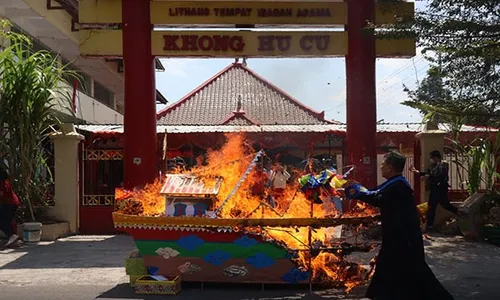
column 278, row 180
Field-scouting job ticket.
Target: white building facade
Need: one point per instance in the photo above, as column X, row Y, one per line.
column 53, row 26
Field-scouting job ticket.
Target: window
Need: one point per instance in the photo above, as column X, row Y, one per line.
column 103, row 95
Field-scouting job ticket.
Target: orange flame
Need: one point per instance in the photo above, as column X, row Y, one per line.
column 230, row 162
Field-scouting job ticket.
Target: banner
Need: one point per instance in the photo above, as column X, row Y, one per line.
column 243, row 43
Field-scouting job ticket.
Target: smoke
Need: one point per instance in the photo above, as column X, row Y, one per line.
column 315, row 82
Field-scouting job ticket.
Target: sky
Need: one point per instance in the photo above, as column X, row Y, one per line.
column 319, row 83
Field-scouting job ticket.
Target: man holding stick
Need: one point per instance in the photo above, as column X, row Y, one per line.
column 401, row 272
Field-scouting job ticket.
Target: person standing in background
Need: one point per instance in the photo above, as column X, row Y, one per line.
column 278, row 179
column 9, row 203
column 437, row 184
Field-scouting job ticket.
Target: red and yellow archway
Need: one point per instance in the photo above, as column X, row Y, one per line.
column 124, row 28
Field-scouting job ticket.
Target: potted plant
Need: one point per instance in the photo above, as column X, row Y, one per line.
column 31, row 86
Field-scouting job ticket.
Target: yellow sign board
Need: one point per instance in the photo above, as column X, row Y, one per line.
column 229, row 44
column 249, row 43
column 239, row 12
column 244, row 12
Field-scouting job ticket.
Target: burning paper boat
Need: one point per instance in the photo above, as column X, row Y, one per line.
column 186, row 243
column 217, row 250
column 187, row 195
column 208, row 250
column 190, row 240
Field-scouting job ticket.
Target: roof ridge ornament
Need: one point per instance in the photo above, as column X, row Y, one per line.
column 243, row 63
column 238, row 104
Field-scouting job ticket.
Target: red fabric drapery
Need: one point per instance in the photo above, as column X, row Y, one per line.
column 175, row 141
column 75, row 88
column 178, row 153
column 205, row 141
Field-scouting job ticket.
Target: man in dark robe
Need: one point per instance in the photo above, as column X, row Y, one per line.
column 401, row 272
column 437, row 183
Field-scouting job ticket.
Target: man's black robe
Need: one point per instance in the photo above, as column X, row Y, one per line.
column 401, row 272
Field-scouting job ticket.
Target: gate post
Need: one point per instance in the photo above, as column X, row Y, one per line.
column 417, row 160
column 67, row 185
column 429, row 139
column 361, row 99
column 140, row 161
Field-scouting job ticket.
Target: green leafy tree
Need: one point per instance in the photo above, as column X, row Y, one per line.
column 462, row 37
column 31, row 87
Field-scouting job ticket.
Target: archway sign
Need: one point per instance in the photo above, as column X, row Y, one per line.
column 124, row 28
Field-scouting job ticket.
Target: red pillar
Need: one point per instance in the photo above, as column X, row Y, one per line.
column 361, row 99
column 140, row 108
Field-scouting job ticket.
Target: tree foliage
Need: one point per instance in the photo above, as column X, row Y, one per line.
column 461, row 39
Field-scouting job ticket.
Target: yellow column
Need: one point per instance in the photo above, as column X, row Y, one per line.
column 431, row 138
column 67, row 186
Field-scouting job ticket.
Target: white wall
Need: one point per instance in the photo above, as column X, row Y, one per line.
column 406, row 172
column 92, row 111
column 87, row 108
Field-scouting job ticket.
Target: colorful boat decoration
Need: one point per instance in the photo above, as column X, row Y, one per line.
column 218, row 250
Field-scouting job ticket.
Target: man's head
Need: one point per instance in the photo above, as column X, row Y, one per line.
column 327, row 163
column 392, row 165
column 435, row 156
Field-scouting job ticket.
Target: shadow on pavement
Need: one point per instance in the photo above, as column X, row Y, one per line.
column 192, row 291
column 469, row 270
column 70, row 252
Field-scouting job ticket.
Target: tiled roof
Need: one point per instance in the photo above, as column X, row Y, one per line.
column 334, row 128
column 238, row 96
column 418, row 127
column 220, row 128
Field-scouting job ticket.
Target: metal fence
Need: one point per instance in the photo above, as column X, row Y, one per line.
column 410, row 176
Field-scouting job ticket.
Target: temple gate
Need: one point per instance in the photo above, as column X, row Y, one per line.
column 124, row 28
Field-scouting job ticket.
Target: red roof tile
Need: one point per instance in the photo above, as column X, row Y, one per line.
column 238, row 96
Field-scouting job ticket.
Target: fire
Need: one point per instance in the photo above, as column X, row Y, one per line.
column 230, row 163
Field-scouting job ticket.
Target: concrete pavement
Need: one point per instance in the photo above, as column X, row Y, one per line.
column 91, row 267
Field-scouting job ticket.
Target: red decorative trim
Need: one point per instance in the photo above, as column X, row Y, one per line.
column 73, row 100
column 238, row 114
column 178, row 153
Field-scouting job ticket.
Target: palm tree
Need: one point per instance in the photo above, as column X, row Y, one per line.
column 31, row 86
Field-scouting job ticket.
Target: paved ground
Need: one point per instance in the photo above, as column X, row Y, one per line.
column 89, row 267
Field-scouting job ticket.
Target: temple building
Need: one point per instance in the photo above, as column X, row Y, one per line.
column 234, row 100
column 89, row 161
